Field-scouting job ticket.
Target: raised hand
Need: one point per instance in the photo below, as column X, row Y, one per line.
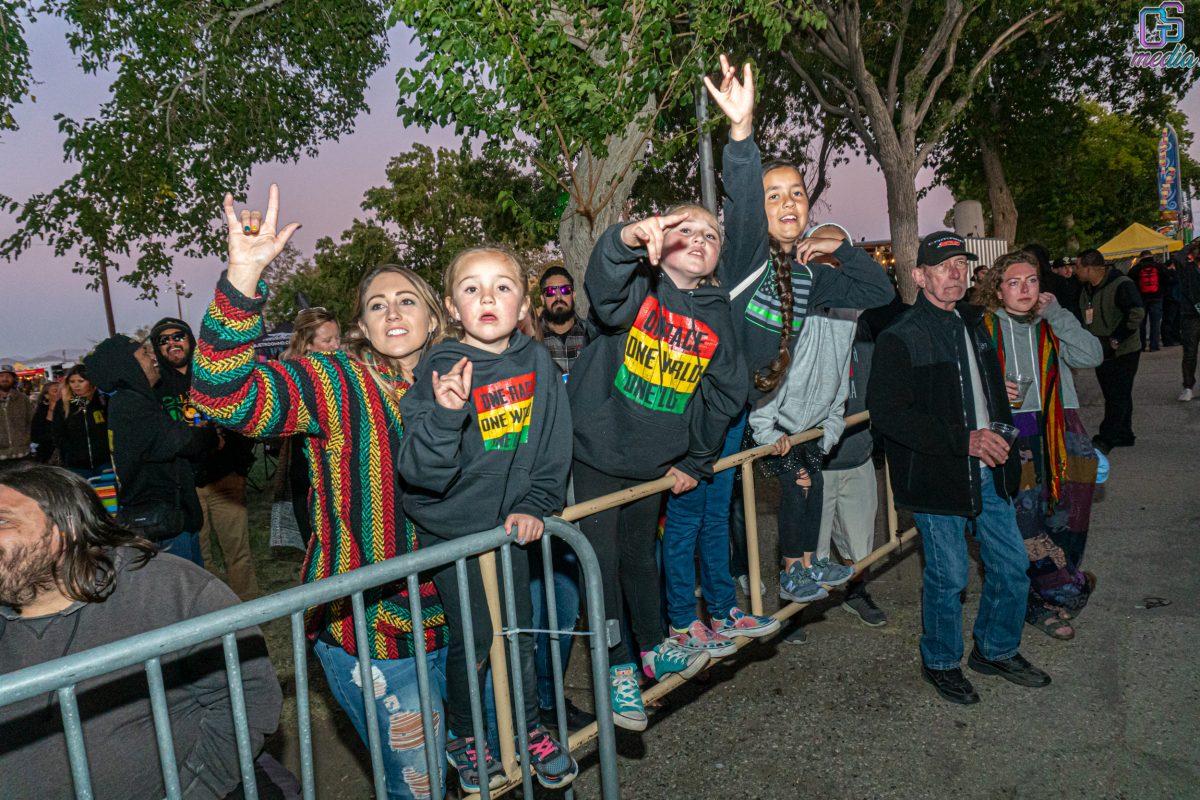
column 253, row 242
column 650, row 233
column 452, row 389
column 736, row 98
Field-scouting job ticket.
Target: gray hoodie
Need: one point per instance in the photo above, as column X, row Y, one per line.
column 814, row 391
column 1078, row 349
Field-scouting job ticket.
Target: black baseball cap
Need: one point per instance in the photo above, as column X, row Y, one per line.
column 937, row 247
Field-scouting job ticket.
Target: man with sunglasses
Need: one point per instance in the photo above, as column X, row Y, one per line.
column 220, row 475
column 563, row 332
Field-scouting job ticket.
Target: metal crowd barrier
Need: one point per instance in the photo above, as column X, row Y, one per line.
column 63, row 675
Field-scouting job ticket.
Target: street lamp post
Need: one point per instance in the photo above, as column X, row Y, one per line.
column 180, row 293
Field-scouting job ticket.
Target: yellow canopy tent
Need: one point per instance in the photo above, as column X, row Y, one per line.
column 1136, row 238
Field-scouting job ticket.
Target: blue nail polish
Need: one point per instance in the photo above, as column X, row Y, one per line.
column 246, row 229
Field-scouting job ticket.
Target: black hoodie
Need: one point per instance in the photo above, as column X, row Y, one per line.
column 506, row 451
column 150, row 450
column 660, row 383
column 859, row 283
column 236, row 453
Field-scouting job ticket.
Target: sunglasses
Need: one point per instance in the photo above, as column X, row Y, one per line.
column 563, row 290
column 171, row 337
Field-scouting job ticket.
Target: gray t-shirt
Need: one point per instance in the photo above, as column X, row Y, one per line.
column 982, row 420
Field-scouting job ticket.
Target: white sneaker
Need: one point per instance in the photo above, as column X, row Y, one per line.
column 1185, row 396
column 743, row 582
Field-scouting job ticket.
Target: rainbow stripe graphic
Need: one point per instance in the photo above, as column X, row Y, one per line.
column 504, row 409
column 666, row 355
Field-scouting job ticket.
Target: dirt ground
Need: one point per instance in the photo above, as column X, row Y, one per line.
column 846, row 715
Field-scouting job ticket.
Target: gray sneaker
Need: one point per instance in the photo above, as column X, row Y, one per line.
column 861, row 605
column 797, row 586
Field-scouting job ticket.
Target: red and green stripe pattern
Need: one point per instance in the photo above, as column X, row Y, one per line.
column 351, row 431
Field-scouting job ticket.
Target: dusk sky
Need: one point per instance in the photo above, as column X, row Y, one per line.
column 45, row 307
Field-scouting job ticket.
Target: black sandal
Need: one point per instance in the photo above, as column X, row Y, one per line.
column 1050, row 623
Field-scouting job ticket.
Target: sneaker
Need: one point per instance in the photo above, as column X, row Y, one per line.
column 743, row 582
column 626, row 696
column 699, row 639
column 861, row 605
column 796, row 586
column 577, row 718
column 829, row 573
column 550, row 761
column 667, row 658
column 739, row 623
column 1185, row 396
column 797, row 635
column 463, row 756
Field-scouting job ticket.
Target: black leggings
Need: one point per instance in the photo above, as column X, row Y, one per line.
column 624, row 540
column 799, row 515
column 458, row 693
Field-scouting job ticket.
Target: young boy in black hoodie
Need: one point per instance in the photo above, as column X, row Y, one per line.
column 487, row 441
column 652, row 396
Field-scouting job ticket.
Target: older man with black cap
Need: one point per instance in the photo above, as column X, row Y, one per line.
column 938, row 396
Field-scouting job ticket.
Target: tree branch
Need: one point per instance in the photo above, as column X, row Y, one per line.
column 897, row 52
column 1010, row 35
column 935, row 85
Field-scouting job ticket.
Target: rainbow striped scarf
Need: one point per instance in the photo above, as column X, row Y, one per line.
column 1055, row 420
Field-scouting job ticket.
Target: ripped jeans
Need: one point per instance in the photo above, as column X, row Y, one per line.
column 397, row 709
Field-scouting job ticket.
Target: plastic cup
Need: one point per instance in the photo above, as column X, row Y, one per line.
column 1023, row 385
column 1008, row 432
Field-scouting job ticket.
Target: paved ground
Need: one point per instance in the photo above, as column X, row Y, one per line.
column 847, row 716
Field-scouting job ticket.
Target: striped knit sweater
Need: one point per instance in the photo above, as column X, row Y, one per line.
column 352, row 431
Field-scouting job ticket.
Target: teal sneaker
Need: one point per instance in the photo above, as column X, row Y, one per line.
column 796, row 586
column 741, row 623
column 668, row 659
column 829, row 573
column 626, row 698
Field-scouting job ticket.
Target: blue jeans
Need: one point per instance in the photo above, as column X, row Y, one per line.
column 397, row 712
column 566, row 605
column 1005, row 584
column 1151, row 329
column 185, row 545
column 701, row 514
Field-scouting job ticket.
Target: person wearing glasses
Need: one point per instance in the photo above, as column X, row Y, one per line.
column 220, row 474
column 562, row 331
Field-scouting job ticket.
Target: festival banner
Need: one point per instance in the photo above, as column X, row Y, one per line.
column 1169, row 195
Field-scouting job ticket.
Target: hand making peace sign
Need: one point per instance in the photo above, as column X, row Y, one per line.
column 253, row 243
column 650, row 233
column 736, row 98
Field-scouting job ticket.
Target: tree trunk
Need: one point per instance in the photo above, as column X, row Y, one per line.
column 899, row 178
column 1004, row 209
column 604, row 185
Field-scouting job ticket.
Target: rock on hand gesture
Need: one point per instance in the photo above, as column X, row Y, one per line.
column 253, row 242
column 736, row 98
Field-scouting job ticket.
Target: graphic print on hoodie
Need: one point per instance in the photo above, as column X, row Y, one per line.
column 504, row 409
column 666, row 355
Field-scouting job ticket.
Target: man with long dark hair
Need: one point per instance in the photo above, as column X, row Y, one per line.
column 72, row 580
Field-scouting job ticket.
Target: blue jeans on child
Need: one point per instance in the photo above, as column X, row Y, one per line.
column 1005, row 585
column 185, row 545
column 397, row 713
column 701, row 514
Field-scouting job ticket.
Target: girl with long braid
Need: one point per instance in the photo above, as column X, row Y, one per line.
column 774, row 278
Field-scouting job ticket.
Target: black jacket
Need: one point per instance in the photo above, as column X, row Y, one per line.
column 660, row 383
column 231, row 451
column 150, row 450
column 1159, row 280
column 81, row 433
column 1189, row 285
column 506, row 451
column 921, row 403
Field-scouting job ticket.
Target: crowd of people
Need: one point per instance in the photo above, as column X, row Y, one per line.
column 433, row 415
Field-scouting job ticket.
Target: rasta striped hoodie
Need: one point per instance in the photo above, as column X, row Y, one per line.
column 352, row 431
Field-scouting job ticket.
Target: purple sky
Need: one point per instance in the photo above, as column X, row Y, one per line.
column 45, row 307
